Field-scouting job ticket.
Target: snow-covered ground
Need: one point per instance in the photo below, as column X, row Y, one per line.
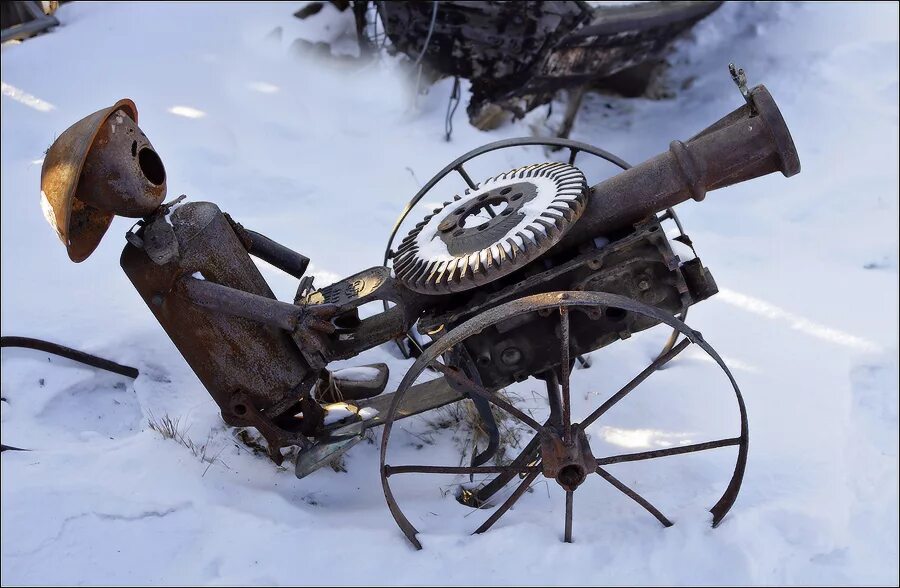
column 323, row 160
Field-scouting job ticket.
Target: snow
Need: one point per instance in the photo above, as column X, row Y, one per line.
column 357, row 374
column 322, row 158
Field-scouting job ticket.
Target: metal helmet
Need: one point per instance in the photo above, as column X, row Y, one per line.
column 101, row 166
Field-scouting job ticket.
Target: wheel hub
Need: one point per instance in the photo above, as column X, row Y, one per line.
column 568, row 461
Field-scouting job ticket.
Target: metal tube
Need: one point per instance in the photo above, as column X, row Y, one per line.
column 284, row 258
column 738, row 147
column 216, row 297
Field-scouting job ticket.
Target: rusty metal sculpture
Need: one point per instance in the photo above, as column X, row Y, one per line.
column 513, row 279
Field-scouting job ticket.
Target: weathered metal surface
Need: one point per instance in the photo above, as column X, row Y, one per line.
column 122, row 172
column 616, row 38
column 496, row 228
column 736, row 148
column 547, row 435
column 78, row 224
column 494, row 44
column 517, row 55
column 613, row 273
column 230, row 354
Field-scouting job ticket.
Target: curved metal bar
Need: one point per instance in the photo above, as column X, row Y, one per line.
column 503, row 144
column 69, row 353
column 529, row 453
column 673, row 338
column 552, row 300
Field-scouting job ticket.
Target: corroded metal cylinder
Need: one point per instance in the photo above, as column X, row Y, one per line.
column 749, row 142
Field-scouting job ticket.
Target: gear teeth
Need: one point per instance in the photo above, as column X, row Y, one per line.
column 552, row 229
column 532, row 232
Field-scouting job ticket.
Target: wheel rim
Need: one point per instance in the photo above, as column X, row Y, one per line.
column 523, row 465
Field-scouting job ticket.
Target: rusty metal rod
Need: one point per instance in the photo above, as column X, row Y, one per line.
column 284, row 258
column 390, row 470
column 635, row 382
column 261, row 309
column 529, row 454
column 474, row 388
column 501, row 510
column 618, row 485
column 69, row 353
column 668, row 451
column 564, row 369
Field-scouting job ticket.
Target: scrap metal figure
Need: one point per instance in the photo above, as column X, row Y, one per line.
column 514, row 278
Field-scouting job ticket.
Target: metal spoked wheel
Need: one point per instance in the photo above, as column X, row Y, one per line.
column 558, row 449
column 458, row 166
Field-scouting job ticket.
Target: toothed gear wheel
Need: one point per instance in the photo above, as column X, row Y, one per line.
column 494, row 229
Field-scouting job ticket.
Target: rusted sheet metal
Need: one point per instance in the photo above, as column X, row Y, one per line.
column 736, row 148
column 519, row 54
column 101, row 166
column 610, row 274
column 230, row 354
column 570, row 460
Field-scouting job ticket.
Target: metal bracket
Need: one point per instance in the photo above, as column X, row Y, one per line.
column 740, row 80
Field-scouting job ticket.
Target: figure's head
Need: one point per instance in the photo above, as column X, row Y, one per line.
column 101, row 166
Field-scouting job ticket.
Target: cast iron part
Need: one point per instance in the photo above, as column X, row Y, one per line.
column 604, row 270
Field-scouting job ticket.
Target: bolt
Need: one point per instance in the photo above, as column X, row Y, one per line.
column 511, row 356
column 156, row 300
column 643, row 285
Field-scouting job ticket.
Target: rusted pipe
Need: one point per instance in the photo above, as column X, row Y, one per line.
column 267, row 311
column 285, row 259
column 738, row 147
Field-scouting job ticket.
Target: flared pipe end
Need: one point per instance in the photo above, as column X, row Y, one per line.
column 781, row 136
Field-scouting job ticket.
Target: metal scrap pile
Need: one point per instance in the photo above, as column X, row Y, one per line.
column 519, row 55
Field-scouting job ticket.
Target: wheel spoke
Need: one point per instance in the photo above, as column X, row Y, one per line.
column 474, row 388
column 668, row 451
column 554, row 400
column 501, row 510
column 390, row 470
column 564, row 368
column 525, row 457
column 573, row 152
column 461, row 171
column 635, row 382
column 570, row 498
column 634, row 496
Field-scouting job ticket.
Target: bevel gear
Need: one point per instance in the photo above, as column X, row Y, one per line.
column 495, row 228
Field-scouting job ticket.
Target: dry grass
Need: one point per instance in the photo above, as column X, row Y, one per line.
column 463, row 417
column 171, row 428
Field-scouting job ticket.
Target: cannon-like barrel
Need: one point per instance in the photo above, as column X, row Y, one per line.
column 749, row 142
